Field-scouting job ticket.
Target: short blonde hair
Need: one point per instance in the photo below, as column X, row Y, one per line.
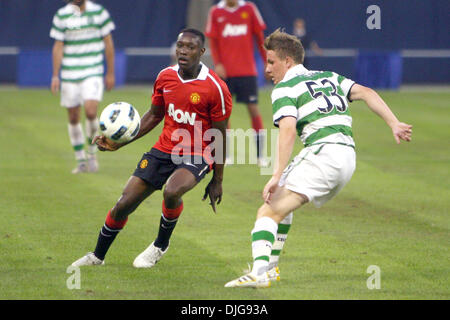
column 285, row 45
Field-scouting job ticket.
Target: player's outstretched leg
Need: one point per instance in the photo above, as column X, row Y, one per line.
column 280, row 240
column 91, row 130
column 135, row 191
column 77, row 140
column 263, row 237
column 108, row 233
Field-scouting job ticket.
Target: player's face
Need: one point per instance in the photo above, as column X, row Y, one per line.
column 276, row 67
column 188, row 50
column 231, row 3
column 78, row 2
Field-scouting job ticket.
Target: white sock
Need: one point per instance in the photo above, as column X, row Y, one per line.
column 263, row 236
column 76, row 137
column 91, row 131
column 283, row 229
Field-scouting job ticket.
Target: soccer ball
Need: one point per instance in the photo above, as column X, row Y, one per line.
column 120, row 122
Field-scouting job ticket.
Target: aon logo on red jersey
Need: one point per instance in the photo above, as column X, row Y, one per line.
column 233, row 30
column 181, row 116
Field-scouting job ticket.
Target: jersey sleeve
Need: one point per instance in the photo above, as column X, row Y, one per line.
column 222, row 102
column 157, row 95
column 58, row 28
column 346, row 85
column 283, row 105
column 106, row 23
column 258, row 24
column 211, row 29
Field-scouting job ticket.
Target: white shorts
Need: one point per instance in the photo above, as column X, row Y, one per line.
column 75, row 93
column 320, row 172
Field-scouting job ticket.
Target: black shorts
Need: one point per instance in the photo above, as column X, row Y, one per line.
column 245, row 88
column 156, row 166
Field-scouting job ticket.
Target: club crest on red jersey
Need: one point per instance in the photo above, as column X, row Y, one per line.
column 195, row 98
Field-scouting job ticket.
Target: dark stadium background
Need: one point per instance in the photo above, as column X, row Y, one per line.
column 412, row 45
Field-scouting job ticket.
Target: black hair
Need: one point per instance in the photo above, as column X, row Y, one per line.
column 197, row 33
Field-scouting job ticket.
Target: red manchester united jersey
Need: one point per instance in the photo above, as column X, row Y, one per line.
column 190, row 108
column 234, row 30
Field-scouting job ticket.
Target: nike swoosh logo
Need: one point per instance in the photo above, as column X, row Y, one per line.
column 190, row 164
column 165, row 90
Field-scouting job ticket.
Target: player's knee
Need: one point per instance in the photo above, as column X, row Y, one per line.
column 171, row 194
column 267, row 211
column 91, row 114
column 124, row 206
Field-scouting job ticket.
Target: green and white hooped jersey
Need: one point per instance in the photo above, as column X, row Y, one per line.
column 82, row 34
column 318, row 100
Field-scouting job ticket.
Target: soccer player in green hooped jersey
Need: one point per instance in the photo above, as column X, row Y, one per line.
column 314, row 106
column 82, row 33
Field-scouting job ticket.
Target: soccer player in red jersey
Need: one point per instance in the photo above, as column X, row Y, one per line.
column 232, row 28
column 194, row 103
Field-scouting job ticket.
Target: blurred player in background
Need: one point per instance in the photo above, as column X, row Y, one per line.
column 82, row 33
column 232, row 27
column 191, row 99
column 299, row 30
column 314, row 106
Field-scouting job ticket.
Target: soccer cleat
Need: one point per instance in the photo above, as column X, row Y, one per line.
column 81, row 168
column 149, row 257
column 250, row 281
column 274, row 274
column 92, row 164
column 263, row 162
column 88, row 260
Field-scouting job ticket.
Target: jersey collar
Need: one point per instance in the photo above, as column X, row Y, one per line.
column 222, row 4
column 202, row 75
column 296, row 70
column 76, row 10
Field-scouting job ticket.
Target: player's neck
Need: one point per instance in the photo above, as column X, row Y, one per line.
column 231, row 5
column 192, row 73
column 82, row 6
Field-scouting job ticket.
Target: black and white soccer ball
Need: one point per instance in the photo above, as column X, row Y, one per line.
column 120, row 122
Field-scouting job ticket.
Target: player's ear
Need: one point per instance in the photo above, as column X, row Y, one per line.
column 289, row 62
column 202, row 51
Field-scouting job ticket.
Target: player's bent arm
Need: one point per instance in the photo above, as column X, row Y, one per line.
column 400, row 130
column 286, row 141
column 374, row 102
column 109, row 55
column 57, row 55
column 220, row 154
column 214, row 188
column 150, row 120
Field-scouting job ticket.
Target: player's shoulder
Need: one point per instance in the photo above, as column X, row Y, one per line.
column 213, row 74
column 216, row 79
column 168, row 72
column 249, row 4
column 93, row 6
column 214, row 8
column 64, row 11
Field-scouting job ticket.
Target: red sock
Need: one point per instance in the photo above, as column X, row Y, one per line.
column 107, row 235
column 257, row 123
column 171, row 214
column 115, row 224
column 168, row 222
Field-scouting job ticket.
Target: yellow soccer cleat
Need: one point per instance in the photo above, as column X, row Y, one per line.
column 250, row 281
column 274, row 274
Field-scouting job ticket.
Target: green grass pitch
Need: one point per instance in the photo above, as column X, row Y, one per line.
column 394, row 213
